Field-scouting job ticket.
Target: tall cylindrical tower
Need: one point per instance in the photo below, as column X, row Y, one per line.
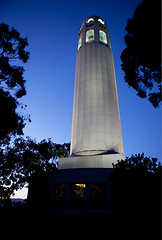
column 96, row 138
column 83, row 179
column 96, row 127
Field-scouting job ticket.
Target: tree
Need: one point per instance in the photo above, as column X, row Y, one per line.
column 12, row 83
column 138, row 165
column 141, row 59
column 136, row 195
column 136, row 188
column 24, row 158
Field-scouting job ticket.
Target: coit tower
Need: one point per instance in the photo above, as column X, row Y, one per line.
column 96, row 138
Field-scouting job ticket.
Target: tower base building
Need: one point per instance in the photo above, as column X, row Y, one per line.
column 72, row 192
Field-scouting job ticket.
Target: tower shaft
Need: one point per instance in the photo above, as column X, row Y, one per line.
column 96, row 127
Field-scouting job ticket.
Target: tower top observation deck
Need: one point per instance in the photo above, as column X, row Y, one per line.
column 93, row 30
column 93, row 20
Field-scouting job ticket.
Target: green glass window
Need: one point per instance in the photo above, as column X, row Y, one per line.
column 103, row 37
column 80, row 42
column 90, row 35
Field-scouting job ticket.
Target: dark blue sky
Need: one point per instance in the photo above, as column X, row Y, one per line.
column 52, row 30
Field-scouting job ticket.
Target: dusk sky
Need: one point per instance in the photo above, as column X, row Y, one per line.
column 52, row 29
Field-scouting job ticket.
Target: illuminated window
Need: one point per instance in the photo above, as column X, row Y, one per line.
column 81, row 185
column 98, row 195
column 90, row 35
column 80, row 42
column 77, row 194
column 90, row 20
column 101, row 21
column 103, row 37
column 60, row 194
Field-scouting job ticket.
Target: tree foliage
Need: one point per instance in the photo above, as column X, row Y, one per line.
column 12, row 83
column 136, row 187
column 25, row 157
column 138, row 165
column 141, row 59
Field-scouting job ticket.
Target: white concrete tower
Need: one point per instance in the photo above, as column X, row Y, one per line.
column 96, row 139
